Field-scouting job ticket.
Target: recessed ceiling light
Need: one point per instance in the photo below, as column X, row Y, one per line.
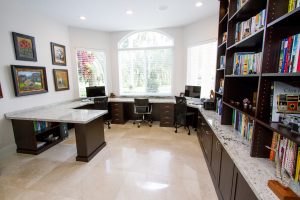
column 163, row 8
column 82, row 17
column 129, row 12
column 198, row 4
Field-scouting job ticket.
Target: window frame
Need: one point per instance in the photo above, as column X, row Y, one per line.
column 104, row 70
column 172, row 48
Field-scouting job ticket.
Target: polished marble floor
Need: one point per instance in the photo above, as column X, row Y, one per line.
column 137, row 164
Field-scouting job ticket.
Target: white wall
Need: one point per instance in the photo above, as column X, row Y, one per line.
column 15, row 18
column 90, row 39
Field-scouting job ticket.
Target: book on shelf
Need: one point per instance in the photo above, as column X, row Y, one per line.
column 219, row 105
column 247, row 63
column 242, row 124
column 285, row 100
column 286, row 155
column 250, row 26
column 289, row 61
column 221, row 88
column 222, row 62
column 293, row 4
column 40, row 125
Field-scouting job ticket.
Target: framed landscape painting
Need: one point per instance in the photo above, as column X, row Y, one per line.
column 24, row 47
column 61, row 79
column 58, row 54
column 29, row 80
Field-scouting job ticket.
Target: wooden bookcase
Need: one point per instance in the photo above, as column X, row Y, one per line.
column 279, row 25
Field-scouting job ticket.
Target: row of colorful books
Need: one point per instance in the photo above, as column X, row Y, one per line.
column 289, row 61
column 293, row 4
column 240, row 3
column 243, row 124
column 250, row 26
column 247, row 63
column 219, row 105
column 222, row 62
column 40, row 125
column 286, row 155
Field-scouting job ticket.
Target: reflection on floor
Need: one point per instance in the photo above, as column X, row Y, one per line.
column 137, row 164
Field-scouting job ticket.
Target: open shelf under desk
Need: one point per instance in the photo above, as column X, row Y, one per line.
column 46, row 129
column 284, row 131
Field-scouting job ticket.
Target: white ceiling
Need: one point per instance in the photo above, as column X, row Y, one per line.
column 110, row 15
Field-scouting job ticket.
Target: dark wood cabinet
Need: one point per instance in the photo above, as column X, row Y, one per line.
column 240, row 188
column 166, row 115
column 226, row 176
column 117, row 113
column 207, row 137
column 216, row 154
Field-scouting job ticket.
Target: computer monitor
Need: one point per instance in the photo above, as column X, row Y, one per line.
column 192, row 91
column 95, row 91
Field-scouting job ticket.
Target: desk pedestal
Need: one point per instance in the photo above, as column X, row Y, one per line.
column 89, row 139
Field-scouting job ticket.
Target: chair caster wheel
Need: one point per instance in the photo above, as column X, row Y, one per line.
column 150, row 125
column 138, row 126
column 133, row 122
column 175, row 131
column 108, row 127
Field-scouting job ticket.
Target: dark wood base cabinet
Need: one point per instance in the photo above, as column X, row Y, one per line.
column 228, row 181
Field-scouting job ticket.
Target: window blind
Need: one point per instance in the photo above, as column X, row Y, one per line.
column 90, row 69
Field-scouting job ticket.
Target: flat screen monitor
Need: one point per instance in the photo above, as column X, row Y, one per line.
column 192, row 91
column 95, row 91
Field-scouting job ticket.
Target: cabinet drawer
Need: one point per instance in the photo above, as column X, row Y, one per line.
column 169, row 107
column 116, row 105
column 166, row 124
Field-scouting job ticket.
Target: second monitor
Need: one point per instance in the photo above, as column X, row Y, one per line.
column 192, row 91
column 96, row 91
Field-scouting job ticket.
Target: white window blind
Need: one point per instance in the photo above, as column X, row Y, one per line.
column 145, row 64
column 201, row 66
column 90, row 68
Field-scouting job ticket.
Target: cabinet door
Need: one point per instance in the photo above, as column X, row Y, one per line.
column 216, row 158
column 207, row 142
column 241, row 189
column 226, row 175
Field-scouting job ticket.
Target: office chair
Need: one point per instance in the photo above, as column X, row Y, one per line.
column 182, row 117
column 102, row 104
column 143, row 107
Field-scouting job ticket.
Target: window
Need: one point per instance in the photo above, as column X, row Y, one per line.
column 90, row 69
column 145, row 64
column 201, row 67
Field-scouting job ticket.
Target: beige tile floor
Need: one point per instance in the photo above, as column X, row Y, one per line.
column 137, row 164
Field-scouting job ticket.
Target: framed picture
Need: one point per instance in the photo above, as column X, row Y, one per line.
column 61, row 79
column 24, row 47
column 1, row 94
column 29, row 80
column 58, row 54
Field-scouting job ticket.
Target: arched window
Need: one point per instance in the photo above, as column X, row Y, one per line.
column 145, row 64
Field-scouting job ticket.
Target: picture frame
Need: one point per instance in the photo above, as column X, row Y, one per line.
column 58, row 53
column 24, row 47
column 1, row 94
column 29, row 80
column 61, row 79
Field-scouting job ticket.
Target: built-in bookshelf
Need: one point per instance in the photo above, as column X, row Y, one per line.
column 262, row 54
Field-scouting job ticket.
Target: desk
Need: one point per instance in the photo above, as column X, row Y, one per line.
column 89, row 128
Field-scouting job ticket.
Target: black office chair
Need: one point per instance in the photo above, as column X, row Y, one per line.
column 182, row 117
column 102, row 104
column 143, row 107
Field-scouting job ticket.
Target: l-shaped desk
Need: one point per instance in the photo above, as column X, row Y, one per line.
column 88, row 122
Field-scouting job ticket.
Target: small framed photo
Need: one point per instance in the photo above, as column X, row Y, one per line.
column 61, row 79
column 29, row 80
column 1, row 94
column 24, row 47
column 58, row 54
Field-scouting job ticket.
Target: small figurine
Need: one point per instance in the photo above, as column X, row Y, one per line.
column 212, row 95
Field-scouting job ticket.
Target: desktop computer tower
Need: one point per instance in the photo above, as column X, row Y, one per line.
column 64, row 131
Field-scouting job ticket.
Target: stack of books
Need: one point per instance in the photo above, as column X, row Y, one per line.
column 40, row 125
column 219, row 106
column 247, row 63
column 222, row 62
column 240, row 3
column 250, row 26
column 286, row 155
column 243, row 125
column 289, row 61
column 293, row 4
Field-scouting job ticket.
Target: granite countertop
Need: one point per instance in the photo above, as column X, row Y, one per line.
column 151, row 100
column 256, row 171
column 65, row 112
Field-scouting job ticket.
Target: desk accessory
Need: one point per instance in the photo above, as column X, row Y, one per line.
column 209, row 105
